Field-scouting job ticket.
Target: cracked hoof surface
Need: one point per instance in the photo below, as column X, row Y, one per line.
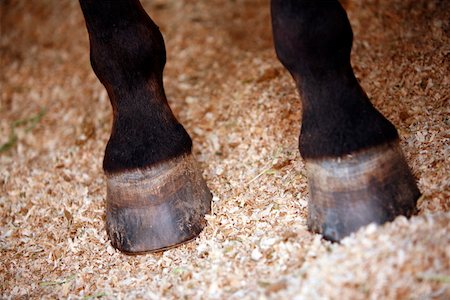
column 373, row 185
column 156, row 208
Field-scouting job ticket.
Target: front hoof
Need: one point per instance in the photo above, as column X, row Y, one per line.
column 158, row 207
column 346, row 193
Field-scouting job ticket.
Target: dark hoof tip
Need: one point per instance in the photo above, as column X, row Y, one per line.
column 347, row 193
column 157, row 208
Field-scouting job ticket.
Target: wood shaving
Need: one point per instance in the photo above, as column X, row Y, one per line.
column 241, row 108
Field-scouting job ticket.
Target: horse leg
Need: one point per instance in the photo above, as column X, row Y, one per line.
column 156, row 196
column 357, row 173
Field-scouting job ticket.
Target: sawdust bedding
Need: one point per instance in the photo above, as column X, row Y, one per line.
column 243, row 113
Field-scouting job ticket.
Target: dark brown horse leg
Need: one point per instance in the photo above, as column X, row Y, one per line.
column 156, row 196
column 356, row 170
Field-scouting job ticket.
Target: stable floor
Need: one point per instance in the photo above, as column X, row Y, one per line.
column 241, row 108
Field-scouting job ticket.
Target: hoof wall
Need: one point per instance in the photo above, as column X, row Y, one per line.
column 156, row 208
column 347, row 193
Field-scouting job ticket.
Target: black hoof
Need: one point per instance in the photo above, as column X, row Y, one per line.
column 347, row 193
column 157, row 208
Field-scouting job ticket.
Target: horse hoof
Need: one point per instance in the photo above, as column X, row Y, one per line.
column 156, row 208
column 346, row 193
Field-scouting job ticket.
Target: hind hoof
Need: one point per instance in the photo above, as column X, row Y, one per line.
column 346, row 193
column 158, row 207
